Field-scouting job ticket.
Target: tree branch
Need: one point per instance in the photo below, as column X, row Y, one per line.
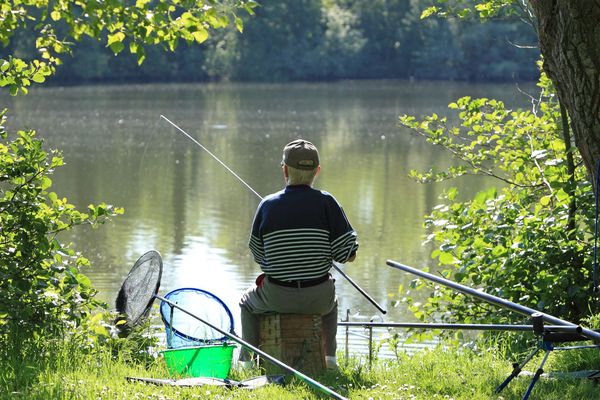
column 482, row 170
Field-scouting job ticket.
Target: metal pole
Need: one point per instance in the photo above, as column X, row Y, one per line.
column 517, row 368
column 370, row 347
column 588, row 333
column 275, row 361
column 170, row 338
column 537, row 375
column 467, row 327
column 347, row 334
column 336, row 266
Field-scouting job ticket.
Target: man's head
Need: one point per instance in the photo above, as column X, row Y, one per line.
column 301, row 162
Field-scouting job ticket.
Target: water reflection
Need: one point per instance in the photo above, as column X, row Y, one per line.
column 179, row 201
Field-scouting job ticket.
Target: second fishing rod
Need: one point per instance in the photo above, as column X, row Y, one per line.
column 335, row 265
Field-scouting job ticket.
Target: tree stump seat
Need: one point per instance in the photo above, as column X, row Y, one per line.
column 294, row 339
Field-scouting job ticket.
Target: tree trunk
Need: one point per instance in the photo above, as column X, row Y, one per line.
column 569, row 34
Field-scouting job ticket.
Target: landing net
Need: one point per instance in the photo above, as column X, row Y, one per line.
column 184, row 330
column 136, row 296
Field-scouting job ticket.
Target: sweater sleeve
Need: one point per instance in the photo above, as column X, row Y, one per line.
column 256, row 243
column 344, row 242
column 344, row 247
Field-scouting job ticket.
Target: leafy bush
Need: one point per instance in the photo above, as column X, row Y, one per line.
column 42, row 290
column 526, row 240
column 47, row 30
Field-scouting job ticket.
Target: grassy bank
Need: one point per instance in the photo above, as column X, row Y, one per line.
column 435, row 374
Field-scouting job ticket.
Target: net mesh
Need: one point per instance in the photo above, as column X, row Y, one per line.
column 139, row 288
column 184, row 330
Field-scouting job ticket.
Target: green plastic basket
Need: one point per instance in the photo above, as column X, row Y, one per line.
column 207, row 361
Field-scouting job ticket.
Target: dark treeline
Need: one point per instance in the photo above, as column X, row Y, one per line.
column 290, row 40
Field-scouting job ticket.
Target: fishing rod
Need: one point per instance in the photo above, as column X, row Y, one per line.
column 588, row 333
column 241, row 342
column 365, row 294
column 336, row 266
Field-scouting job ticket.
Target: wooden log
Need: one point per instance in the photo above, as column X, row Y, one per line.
column 294, row 339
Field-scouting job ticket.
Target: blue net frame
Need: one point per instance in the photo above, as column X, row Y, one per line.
column 183, row 330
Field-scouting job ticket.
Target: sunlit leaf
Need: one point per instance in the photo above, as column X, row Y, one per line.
column 200, row 36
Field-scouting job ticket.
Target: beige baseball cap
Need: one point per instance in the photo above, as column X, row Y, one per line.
column 301, row 154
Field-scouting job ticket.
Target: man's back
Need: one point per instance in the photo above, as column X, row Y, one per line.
column 298, row 231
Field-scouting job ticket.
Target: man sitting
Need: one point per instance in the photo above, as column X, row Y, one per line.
column 296, row 235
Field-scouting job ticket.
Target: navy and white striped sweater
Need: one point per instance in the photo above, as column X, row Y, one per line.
column 298, row 232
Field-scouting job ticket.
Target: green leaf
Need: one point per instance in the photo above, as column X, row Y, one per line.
column 239, row 24
column 429, row 11
column 498, row 251
column 463, row 13
column 483, row 196
column 83, row 280
column 38, row 78
column 447, row 258
column 200, row 36
column 562, row 196
column 117, row 47
column 451, row 193
column 140, row 54
column 46, row 182
column 483, row 7
column 545, row 200
column 115, row 38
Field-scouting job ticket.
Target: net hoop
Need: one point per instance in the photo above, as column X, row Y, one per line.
column 132, row 292
column 165, row 310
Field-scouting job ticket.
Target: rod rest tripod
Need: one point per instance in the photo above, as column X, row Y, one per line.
column 556, row 333
column 549, row 335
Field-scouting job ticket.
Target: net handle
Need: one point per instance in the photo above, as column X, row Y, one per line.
column 170, row 338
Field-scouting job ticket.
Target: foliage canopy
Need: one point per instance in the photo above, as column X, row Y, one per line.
column 117, row 23
column 482, row 9
column 524, row 240
column 305, row 40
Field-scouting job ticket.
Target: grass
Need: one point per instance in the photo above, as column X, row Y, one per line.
column 67, row 373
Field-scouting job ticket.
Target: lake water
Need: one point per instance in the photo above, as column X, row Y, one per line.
column 181, row 202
